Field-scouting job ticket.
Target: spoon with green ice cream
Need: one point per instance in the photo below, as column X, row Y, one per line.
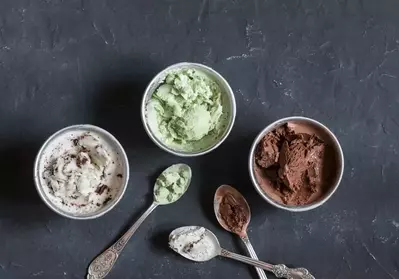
column 170, row 186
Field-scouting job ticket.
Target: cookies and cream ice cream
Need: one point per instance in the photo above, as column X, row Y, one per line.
column 82, row 173
column 295, row 168
column 193, row 243
column 186, row 112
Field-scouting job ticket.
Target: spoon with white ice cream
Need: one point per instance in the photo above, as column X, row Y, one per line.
column 200, row 245
column 169, row 187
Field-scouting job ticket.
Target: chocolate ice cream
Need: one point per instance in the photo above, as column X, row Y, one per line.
column 233, row 213
column 291, row 166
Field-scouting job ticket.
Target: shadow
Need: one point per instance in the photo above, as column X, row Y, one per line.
column 239, row 246
column 117, row 102
column 230, row 167
column 159, row 241
column 19, row 200
column 152, row 178
column 149, row 199
column 133, row 219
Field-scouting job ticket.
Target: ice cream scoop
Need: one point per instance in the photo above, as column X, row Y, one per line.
column 175, row 180
column 233, row 213
column 200, row 244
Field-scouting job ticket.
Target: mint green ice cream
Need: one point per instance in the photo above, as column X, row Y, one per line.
column 186, row 111
column 172, row 183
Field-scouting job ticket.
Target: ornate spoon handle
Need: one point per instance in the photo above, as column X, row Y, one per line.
column 280, row 270
column 251, row 251
column 102, row 265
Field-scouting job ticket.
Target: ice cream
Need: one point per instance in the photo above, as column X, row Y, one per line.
column 193, row 243
column 292, row 166
column 233, row 213
column 172, row 183
column 82, row 173
column 186, row 112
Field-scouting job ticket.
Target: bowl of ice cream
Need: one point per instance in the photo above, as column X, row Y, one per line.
column 81, row 172
column 296, row 164
column 188, row 109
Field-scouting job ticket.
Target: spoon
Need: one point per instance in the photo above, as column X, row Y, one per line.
column 207, row 246
column 228, row 192
column 103, row 263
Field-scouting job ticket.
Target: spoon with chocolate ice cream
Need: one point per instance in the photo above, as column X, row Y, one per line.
column 233, row 213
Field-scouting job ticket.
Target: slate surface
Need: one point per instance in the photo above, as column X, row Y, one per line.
column 69, row 62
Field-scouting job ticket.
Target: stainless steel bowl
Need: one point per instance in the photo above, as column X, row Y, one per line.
column 228, row 97
column 331, row 139
column 40, row 161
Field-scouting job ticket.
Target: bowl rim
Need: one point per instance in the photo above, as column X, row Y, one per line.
column 266, row 197
column 219, row 78
column 102, row 211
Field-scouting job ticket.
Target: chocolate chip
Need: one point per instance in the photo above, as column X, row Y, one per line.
column 119, row 175
column 101, row 189
column 75, row 142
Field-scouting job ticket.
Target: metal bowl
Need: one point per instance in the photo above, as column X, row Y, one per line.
column 228, row 97
column 328, row 137
column 55, row 139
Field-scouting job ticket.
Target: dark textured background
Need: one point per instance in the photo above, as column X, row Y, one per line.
column 69, row 62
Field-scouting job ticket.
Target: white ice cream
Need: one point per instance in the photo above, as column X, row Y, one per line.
column 193, row 243
column 82, row 173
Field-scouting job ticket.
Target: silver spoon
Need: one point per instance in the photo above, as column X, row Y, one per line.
column 103, row 263
column 208, row 247
column 236, row 197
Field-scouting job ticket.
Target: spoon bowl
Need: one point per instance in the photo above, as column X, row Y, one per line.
column 189, row 235
column 222, row 192
column 172, row 183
